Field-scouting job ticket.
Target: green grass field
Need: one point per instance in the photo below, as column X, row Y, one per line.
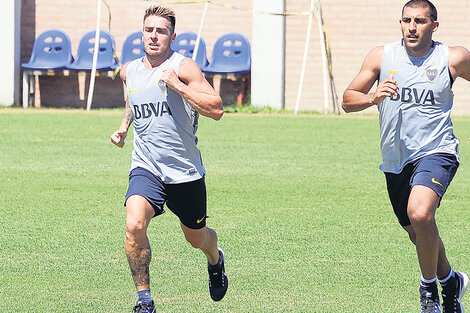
column 298, row 202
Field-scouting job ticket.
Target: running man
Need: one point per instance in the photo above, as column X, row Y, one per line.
column 166, row 93
column 419, row 149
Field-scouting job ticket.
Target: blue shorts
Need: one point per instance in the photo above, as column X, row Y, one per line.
column 434, row 171
column 187, row 200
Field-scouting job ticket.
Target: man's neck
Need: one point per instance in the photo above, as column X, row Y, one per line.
column 420, row 52
column 157, row 60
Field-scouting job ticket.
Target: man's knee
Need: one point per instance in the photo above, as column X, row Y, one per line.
column 136, row 227
column 422, row 206
column 196, row 240
column 139, row 215
column 420, row 216
column 136, row 231
column 134, row 239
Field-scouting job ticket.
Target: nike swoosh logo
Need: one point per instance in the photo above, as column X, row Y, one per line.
column 131, row 91
column 393, row 72
column 436, row 182
column 198, row 221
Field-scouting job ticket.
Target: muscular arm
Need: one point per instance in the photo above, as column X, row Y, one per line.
column 119, row 135
column 459, row 62
column 357, row 97
column 195, row 89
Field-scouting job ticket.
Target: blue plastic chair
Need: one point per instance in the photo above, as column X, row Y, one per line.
column 185, row 43
column 231, row 54
column 51, row 51
column 106, row 48
column 133, row 48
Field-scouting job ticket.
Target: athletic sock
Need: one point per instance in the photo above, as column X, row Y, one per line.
column 144, row 296
column 430, row 285
column 425, row 282
column 446, row 279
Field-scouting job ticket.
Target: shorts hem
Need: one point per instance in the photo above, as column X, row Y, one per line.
column 157, row 210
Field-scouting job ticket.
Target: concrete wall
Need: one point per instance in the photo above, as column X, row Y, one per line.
column 268, row 54
column 354, row 27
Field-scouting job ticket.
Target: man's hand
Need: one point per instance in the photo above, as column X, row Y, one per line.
column 170, row 78
column 386, row 88
column 118, row 137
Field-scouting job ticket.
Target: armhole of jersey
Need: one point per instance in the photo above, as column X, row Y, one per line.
column 448, row 67
column 386, row 48
column 175, row 56
column 130, row 69
column 450, row 77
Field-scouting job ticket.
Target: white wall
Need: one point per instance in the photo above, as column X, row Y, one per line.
column 10, row 52
column 268, row 55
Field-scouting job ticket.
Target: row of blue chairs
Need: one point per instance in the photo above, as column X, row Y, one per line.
column 231, row 52
column 231, row 57
column 52, row 51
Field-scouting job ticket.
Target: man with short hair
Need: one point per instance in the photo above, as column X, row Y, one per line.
column 419, row 149
column 166, row 92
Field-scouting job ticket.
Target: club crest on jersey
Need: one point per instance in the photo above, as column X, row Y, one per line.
column 162, row 86
column 431, row 73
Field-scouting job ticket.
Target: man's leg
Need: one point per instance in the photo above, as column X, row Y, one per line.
column 189, row 202
column 206, row 240
column 139, row 215
column 422, row 205
column 454, row 284
column 443, row 266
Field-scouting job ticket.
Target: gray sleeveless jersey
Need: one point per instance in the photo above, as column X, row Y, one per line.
column 417, row 121
column 164, row 124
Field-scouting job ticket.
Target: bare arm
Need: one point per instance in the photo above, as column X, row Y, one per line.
column 119, row 135
column 459, row 63
column 193, row 87
column 357, row 97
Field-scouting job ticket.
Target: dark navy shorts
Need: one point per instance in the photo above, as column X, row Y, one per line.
column 434, row 171
column 187, row 200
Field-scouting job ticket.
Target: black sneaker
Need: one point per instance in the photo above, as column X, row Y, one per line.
column 452, row 293
column 429, row 298
column 218, row 281
column 144, row 307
